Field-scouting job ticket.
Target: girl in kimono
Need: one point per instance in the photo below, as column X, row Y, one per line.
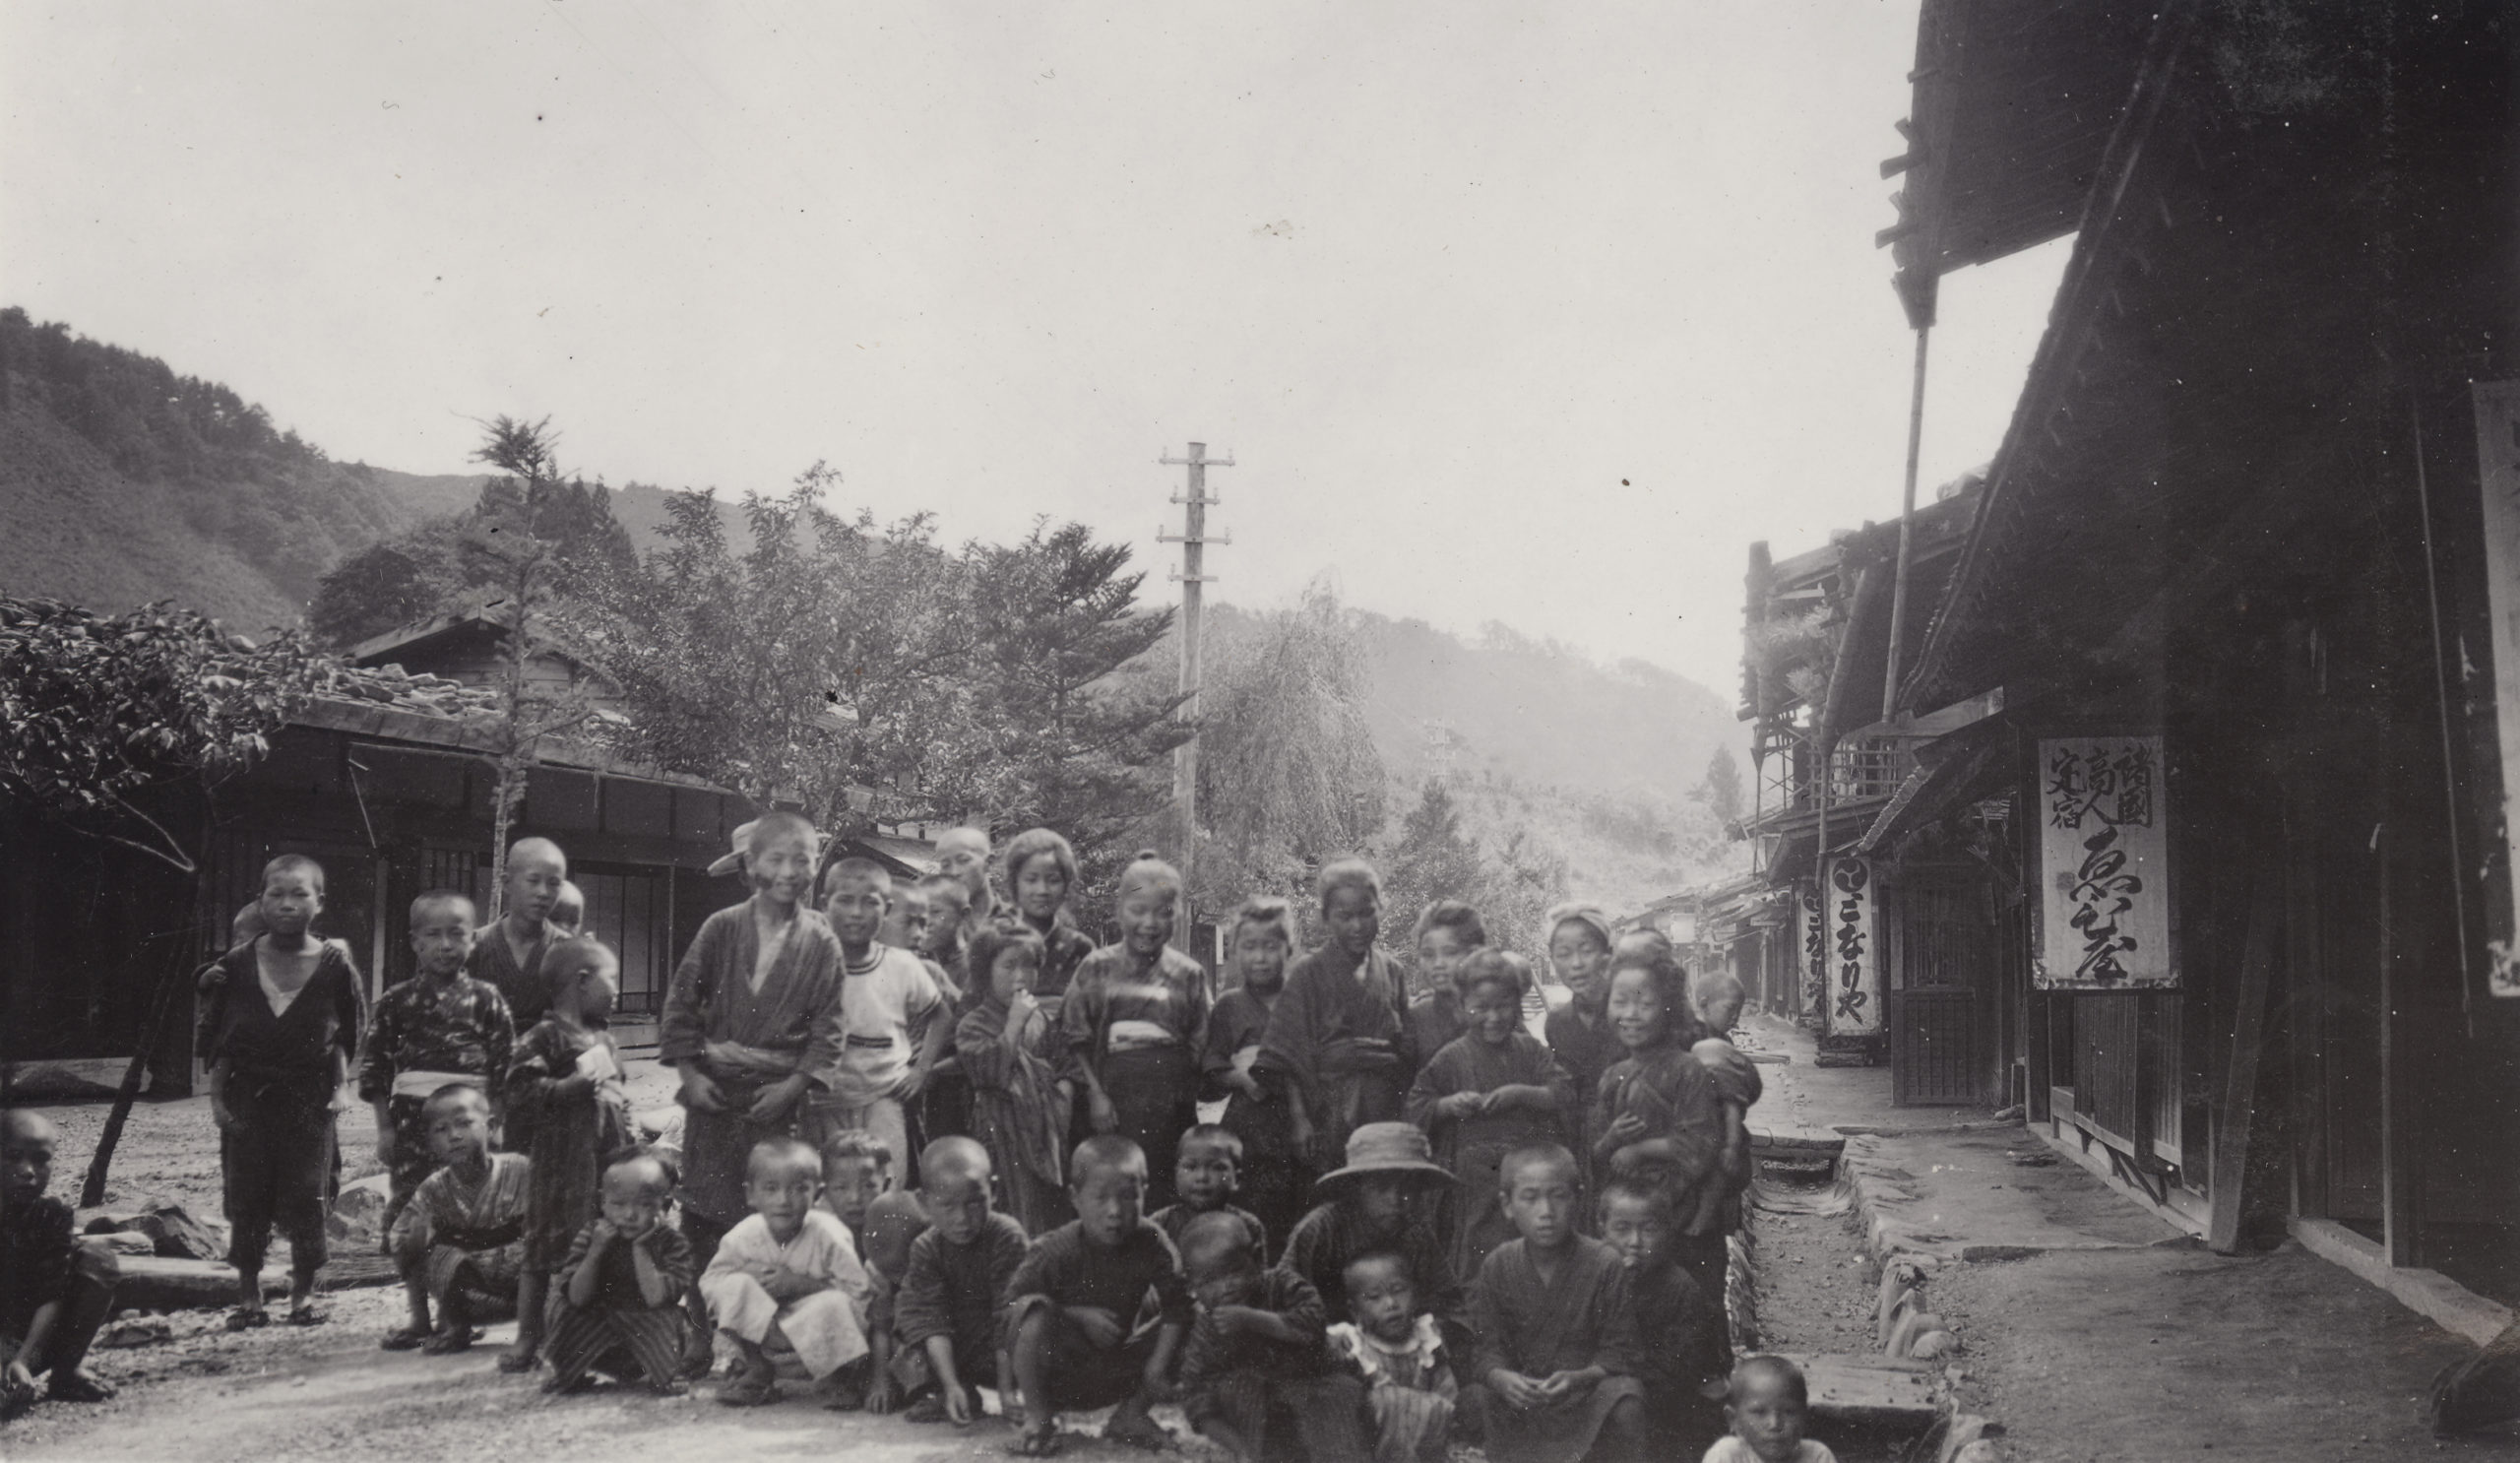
column 1339, row 1035
column 1041, row 871
column 1020, row 1105
column 1135, row 1020
column 1578, row 937
column 1273, row 1181
column 1658, row 1122
column 752, row 1024
column 1484, row 1095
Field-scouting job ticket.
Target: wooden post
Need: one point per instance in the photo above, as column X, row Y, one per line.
column 2234, row 1117
column 1193, row 538
column 1907, row 526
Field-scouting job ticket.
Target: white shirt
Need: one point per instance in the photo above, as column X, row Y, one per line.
column 879, row 1007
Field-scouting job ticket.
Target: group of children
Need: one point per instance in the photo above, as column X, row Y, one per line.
column 1462, row 1211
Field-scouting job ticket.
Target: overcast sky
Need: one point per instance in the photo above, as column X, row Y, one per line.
column 1535, row 314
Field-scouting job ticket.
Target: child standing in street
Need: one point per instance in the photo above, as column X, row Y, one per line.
column 1656, row 1120
column 1399, row 1351
column 508, row 951
column 460, row 1243
column 55, row 1291
column 1555, row 1329
column 1447, row 934
column 281, row 1020
column 566, row 1081
column 1338, row 1037
column 885, row 995
column 1019, row 1102
column 1485, row 1095
column 1256, row 1370
column 1270, row 1174
column 785, row 1286
column 438, row 1029
column 1135, row 1021
column 1579, row 1032
column 619, row 1303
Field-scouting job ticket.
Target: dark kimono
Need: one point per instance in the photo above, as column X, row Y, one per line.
column 279, row 1157
column 1333, row 1002
column 455, row 1031
column 619, row 1333
column 1327, row 1239
column 572, row 1137
column 1016, row 1114
column 1584, row 1052
column 1474, row 1148
column 1258, row 1385
column 1673, row 1092
column 1273, row 1181
column 1139, row 1024
column 746, row 1039
column 1582, row 1318
column 524, row 985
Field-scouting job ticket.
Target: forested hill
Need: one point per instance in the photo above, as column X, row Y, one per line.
column 123, row 481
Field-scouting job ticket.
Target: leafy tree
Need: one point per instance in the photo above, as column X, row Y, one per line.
column 1722, row 789
column 391, row 583
column 1431, row 858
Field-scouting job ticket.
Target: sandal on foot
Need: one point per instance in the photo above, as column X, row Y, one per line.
column 516, row 1363
column 671, row 1386
column 405, row 1338
column 1144, row 1433
column 241, row 1319
column 447, row 1342
column 78, row 1386
column 1044, row 1444
column 306, row 1315
column 748, row 1390
column 927, row 1409
column 697, row 1363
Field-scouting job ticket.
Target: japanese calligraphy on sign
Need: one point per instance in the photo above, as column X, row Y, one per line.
column 2497, row 406
column 2104, row 858
column 1811, row 938
column 1854, row 990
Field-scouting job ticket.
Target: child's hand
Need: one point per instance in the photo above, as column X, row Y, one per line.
column 1248, row 1085
column 1563, row 1384
column 912, row 1081
column 786, row 1285
column 961, row 1408
column 1101, row 1327
column 1105, row 1117
column 885, row 1395
column 385, row 1143
column 1233, row 1321
column 1626, row 1161
column 1627, row 1127
column 700, row 1091
column 1462, row 1105
column 219, row 1115
column 775, row 1098
column 604, row 1234
column 19, row 1383
column 1520, row 1392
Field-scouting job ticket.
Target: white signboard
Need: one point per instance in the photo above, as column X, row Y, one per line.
column 2104, row 849
column 1811, row 939
column 1854, row 961
column 2499, row 465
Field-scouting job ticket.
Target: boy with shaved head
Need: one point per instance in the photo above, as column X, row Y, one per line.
column 1555, row 1327
column 1256, row 1364
column 963, row 854
column 508, row 951
column 896, row 1023
column 956, row 1285
column 55, row 1291
column 786, row 1285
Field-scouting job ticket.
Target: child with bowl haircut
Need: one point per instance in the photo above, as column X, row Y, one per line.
column 1448, row 932
column 945, row 1315
column 1070, row 1338
column 1204, row 1178
column 786, row 1288
column 1680, row 1345
column 1555, row 1329
column 618, row 1305
column 281, row 1017
column 1487, row 1094
column 1656, row 1117
column 1768, row 1404
column 55, row 1291
column 1040, row 873
column 1338, row 1037
column 1578, row 938
column 885, row 997
column 439, row 1027
column 1374, row 1205
column 1399, row 1351
column 1256, row 1370
column 461, row 1241
column 508, row 951
column 858, row 1168
column 566, row 1085
column 1270, row 1174
column 1135, row 1022
column 1020, row 1103
column 752, row 1022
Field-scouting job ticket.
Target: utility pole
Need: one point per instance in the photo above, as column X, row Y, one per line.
column 1192, row 574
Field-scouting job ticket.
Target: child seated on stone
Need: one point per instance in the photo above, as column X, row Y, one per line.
column 1205, row 1178
column 786, row 1288
column 1399, row 1351
column 946, row 1312
column 1072, row 1336
column 459, row 1244
column 1256, row 1371
column 1680, row 1356
column 1768, row 1404
column 1555, row 1329
column 617, row 1305
column 55, row 1291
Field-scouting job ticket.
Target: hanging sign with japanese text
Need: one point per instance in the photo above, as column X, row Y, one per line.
column 2499, row 466
column 1853, row 965
column 2104, row 848
column 1811, row 939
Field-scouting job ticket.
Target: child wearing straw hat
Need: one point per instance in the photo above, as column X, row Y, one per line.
column 1374, row 1204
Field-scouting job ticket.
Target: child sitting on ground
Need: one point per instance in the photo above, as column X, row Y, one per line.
column 55, row 1291
column 1768, row 1404
column 1204, row 1178
column 1019, row 1105
column 1399, row 1351
column 1256, row 1368
column 1555, row 1330
column 885, row 995
column 894, row 1222
column 786, row 1288
column 1656, row 1120
column 435, row 1030
column 1071, row 1335
column 1447, row 934
column 1270, row 1175
column 461, row 1241
column 1374, row 1205
column 1485, row 1093
column 1680, row 1334
column 946, row 1312
column 566, row 1082
column 274, row 1081
column 1134, row 1023
column 618, row 1307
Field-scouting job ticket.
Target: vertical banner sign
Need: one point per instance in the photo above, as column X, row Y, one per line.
column 1812, row 930
column 2103, row 851
column 2499, row 466
column 1854, row 968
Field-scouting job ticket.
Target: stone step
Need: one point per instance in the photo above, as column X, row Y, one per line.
column 1869, row 1390
column 1782, row 1139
